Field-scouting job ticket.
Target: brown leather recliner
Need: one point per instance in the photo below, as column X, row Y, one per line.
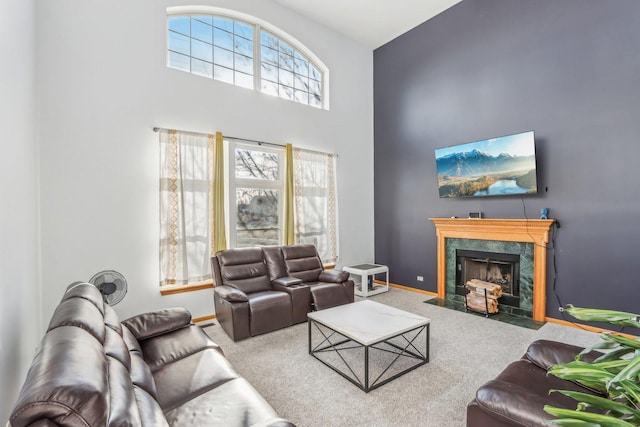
column 328, row 288
column 516, row 397
column 251, row 286
column 153, row 369
column 246, row 302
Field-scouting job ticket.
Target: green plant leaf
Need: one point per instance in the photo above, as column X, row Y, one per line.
column 615, row 354
column 598, row 419
column 630, row 371
column 600, row 402
column 620, row 318
column 571, row 422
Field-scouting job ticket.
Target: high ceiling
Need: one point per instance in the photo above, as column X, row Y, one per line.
column 369, row 22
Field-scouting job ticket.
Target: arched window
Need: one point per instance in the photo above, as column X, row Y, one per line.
column 245, row 51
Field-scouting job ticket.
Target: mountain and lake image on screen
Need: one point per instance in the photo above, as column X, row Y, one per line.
column 494, row 167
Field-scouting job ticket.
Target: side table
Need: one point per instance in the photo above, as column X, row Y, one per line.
column 364, row 271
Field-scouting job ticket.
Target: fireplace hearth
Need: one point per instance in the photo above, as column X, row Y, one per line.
column 500, row 268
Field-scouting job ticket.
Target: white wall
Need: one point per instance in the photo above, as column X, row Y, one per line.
column 103, row 84
column 19, row 292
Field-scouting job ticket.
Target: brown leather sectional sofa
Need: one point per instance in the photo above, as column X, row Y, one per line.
column 518, row 394
column 258, row 290
column 154, row 369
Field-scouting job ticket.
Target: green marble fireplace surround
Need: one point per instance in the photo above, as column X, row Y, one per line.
column 528, row 238
column 524, row 249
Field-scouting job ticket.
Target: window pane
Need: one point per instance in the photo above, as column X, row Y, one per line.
column 285, row 48
column 201, row 50
column 269, row 55
column 268, row 40
column 314, row 87
column 302, row 96
column 314, row 73
column 243, row 30
column 244, row 64
column 301, row 66
column 222, row 38
column 179, row 24
column 201, row 31
column 286, row 92
column 223, row 48
column 269, row 72
column 224, row 23
column 179, row 43
column 301, row 83
column 315, row 100
column 201, row 68
column 203, row 19
column 180, row 62
column 256, row 164
column 222, row 57
column 257, row 217
column 286, row 62
column 223, row 74
column 244, row 80
column 269, row 88
column 243, row 46
column 286, row 78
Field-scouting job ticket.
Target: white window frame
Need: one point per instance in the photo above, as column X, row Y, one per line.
column 259, row 25
column 232, row 183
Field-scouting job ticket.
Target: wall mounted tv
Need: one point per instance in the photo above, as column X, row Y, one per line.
column 494, row 167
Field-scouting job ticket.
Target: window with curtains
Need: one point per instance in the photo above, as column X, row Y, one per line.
column 196, row 191
column 186, row 203
column 256, row 188
column 242, row 50
column 315, row 202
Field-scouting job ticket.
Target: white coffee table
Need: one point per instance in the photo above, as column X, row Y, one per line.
column 364, row 271
column 372, row 326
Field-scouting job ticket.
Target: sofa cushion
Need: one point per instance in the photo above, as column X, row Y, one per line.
column 275, row 262
column 115, row 347
column 176, row 345
column 545, row 353
column 244, row 268
column 122, row 400
column 233, row 403
column 160, row 322
column 67, row 382
column 302, row 261
column 327, row 295
column 187, row 378
column 151, row 414
column 518, row 394
column 269, row 311
column 81, row 313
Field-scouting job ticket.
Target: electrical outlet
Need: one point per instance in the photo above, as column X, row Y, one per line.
column 420, row 279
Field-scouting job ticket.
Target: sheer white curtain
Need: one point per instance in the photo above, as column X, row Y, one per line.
column 186, row 231
column 315, row 202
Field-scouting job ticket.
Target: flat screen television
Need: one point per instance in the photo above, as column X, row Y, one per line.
column 500, row 166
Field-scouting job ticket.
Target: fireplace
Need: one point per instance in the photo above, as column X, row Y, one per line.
column 500, row 268
column 534, row 232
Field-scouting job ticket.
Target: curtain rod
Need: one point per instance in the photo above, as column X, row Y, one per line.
column 157, row 129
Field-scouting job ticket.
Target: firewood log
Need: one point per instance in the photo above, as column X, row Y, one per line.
column 477, row 303
column 478, row 286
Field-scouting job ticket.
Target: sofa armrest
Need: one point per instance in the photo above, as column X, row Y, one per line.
column 230, row 294
column 287, row 281
column 333, row 276
column 545, row 353
column 149, row 325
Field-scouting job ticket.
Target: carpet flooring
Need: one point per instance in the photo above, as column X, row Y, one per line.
column 465, row 352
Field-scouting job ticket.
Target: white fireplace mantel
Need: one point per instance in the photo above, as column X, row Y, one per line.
column 534, row 231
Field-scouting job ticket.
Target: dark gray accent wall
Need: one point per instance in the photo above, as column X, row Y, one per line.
column 568, row 70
